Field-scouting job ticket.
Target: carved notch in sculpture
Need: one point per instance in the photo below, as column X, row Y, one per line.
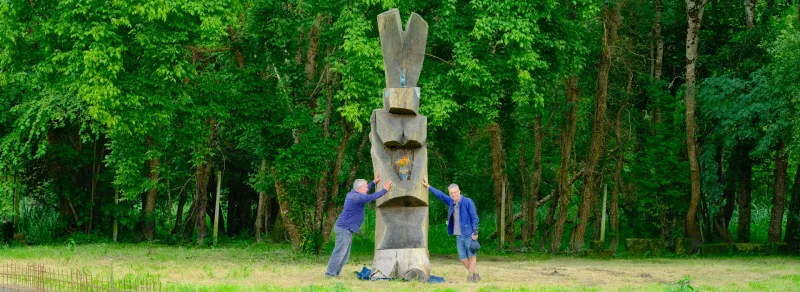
column 398, row 135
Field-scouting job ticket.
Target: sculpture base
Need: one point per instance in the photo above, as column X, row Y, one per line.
column 411, row 264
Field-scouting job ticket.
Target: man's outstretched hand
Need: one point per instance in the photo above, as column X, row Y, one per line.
column 425, row 181
column 377, row 177
column 387, row 185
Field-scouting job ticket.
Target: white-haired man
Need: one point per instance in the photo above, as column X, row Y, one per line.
column 350, row 221
column 462, row 221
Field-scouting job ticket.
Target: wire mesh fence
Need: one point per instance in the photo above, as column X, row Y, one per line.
column 37, row 277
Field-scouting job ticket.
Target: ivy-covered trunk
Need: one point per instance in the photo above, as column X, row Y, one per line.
column 202, row 176
column 750, row 13
column 614, row 208
column 333, row 209
column 530, row 225
column 500, row 179
column 285, row 209
column 567, row 141
column 334, row 191
column 611, row 21
column 262, row 197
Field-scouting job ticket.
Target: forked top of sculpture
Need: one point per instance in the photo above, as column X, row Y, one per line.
column 403, row 50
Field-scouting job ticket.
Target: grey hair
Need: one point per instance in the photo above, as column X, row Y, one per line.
column 452, row 186
column 358, row 183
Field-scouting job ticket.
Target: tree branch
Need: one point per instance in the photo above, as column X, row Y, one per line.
column 440, row 59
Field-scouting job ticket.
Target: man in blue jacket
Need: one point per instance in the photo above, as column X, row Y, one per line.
column 462, row 221
column 350, row 220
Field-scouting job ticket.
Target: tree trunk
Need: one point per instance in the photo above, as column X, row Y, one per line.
column 793, row 220
column 500, row 180
column 238, row 56
column 614, row 210
column 567, row 140
column 611, row 20
column 319, row 207
column 779, row 199
column 658, row 39
column 694, row 11
column 536, row 182
column 731, row 179
column 323, row 193
column 262, row 196
column 332, row 209
column 202, row 175
column 179, row 215
column 549, row 222
column 750, row 13
column 313, row 48
column 597, row 206
column 288, row 222
column 150, row 207
column 659, row 58
column 744, row 197
column 267, row 213
column 189, row 224
column 705, row 233
column 526, row 196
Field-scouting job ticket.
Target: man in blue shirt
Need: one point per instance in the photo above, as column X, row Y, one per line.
column 350, row 221
column 462, row 221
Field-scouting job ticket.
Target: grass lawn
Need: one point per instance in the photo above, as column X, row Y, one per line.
column 260, row 267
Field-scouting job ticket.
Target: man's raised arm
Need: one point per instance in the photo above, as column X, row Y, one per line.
column 377, row 195
column 441, row 196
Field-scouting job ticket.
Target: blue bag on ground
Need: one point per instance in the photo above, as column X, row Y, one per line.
column 365, row 273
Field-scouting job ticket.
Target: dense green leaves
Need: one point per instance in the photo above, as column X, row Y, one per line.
column 92, row 93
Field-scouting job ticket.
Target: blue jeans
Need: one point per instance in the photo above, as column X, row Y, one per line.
column 344, row 238
column 462, row 244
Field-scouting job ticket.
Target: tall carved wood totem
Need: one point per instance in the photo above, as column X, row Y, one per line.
column 398, row 135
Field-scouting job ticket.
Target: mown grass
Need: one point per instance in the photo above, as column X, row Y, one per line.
column 274, row 267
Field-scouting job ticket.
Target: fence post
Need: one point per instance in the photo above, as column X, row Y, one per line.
column 216, row 208
column 41, row 276
column 603, row 220
column 502, row 217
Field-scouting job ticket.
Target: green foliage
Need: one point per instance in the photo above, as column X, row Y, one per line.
column 92, row 93
column 781, row 71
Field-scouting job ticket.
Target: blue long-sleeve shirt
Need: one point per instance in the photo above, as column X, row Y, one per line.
column 353, row 212
column 467, row 214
